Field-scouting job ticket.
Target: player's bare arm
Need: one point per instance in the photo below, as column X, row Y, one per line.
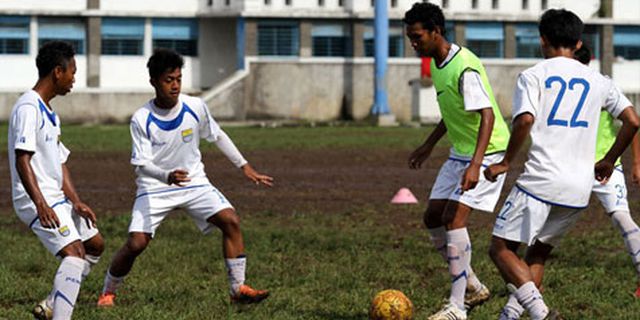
column 423, row 152
column 256, row 177
column 79, row 207
column 48, row 217
column 179, row 177
column 630, row 123
column 635, row 169
column 521, row 128
column 472, row 173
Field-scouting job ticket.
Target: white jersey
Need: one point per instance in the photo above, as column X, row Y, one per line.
column 566, row 98
column 170, row 139
column 35, row 128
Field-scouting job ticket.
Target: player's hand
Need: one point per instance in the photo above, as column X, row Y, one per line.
column 48, row 217
column 470, row 177
column 635, row 174
column 178, row 177
column 419, row 155
column 256, row 177
column 603, row 170
column 85, row 211
column 493, row 171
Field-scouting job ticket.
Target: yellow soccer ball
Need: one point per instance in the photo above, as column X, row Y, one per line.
column 391, row 305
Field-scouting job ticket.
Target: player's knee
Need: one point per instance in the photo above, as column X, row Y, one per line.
column 137, row 243
column 495, row 249
column 94, row 246
column 74, row 249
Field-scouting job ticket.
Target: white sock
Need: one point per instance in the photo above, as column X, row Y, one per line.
column 235, row 270
column 92, row 260
column 66, row 286
column 438, row 238
column 512, row 310
column 530, row 298
column 631, row 234
column 459, row 251
column 111, row 283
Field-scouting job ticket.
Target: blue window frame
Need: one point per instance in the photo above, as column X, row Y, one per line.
column 485, row 39
column 591, row 37
column 449, row 31
column 278, row 38
column 122, row 36
column 71, row 30
column 331, row 40
column 528, row 41
column 626, row 42
column 180, row 35
column 396, row 40
column 14, row 35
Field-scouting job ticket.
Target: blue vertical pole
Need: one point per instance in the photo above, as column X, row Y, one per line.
column 240, row 43
column 380, row 105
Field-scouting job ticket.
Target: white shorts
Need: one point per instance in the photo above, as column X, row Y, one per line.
column 525, row 218
column 72, row 226
column 613, row 194
column 483, row 197
column 201, row 203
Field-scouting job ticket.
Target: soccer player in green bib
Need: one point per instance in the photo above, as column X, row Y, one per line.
column 479, row 136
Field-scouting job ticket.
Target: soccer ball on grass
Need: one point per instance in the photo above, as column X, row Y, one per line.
column 391, row 305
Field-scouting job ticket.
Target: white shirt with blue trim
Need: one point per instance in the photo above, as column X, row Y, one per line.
column 170, row 139
column 566, row 98
column 34, row 127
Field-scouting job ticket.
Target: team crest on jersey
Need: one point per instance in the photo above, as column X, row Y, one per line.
column 64, row 231
column 187, row 135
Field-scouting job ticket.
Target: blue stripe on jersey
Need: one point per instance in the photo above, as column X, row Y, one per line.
column 170, row 124
column 51, row 116
column 547, row 202
column 171, row 190
column 53, row 206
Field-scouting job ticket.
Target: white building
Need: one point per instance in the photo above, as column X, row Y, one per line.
column 308, row 59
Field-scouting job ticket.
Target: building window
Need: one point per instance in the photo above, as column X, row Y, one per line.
column 14, row 35
column 321, row 3
column 373, row 3
column 495, row 4
column 394, row 3
column 485, row 39
column 70, row 30
column 210, row 3
column 331, row 40
column 340, row 3
column 626, row 42
column 528, row 41
column 278, row 38
column 543, row 4
column 525, row 4
column 445, row 4
column 287, row 2
column 267, row 2
column 591, row 38
column 449, row 31
column 474, row 4
column 227, row 2
column 122, row 36
column 180, row 35
column 396, row 40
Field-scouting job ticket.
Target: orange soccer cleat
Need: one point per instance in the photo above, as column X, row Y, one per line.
column 106, row 300
column 248, row 295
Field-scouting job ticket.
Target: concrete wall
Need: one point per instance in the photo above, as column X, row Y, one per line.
column 217, row 50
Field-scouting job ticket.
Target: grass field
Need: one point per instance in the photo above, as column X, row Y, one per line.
column 318, row 264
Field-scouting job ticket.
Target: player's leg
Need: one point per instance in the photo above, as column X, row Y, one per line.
column 66, row 284
column 458, row 250
column 613, row 197
column 235, row 259
column 121, row 265
column 433, row 221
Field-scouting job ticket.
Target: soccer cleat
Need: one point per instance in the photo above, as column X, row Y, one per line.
column 106, row 300
column 42, row 311
column 246, row 295
column 476, row 298
column 553, row 315
column 449, row 312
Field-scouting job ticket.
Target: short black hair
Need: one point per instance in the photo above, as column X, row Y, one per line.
column 429, row 14
column 561, row 28
column 583, row 54
column 163, row 60
column 53, row 54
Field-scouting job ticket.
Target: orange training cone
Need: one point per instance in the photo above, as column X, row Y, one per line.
column 404, row 196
